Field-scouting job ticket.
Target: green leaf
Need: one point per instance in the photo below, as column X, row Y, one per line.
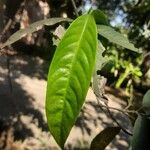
column 100, row 17
column 104, row 138
column 32, row 28
column 141, row 134
column 69, row 76
column 146, row 99
column 146, row 102
column 115, row 37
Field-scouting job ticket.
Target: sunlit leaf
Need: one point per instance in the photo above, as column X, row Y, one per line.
column 104, row 138
column 69, row 76
column 115, row 37
column 32, row 28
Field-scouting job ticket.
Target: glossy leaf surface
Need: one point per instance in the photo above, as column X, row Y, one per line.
column 69, row 76
column 32, row 28
column 115, row 37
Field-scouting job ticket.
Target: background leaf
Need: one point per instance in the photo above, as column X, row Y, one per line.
column 32, row 28
column 146, row 102
column 58, row 34
column 100, row 59
column 100, row 17
column 98, row 81
column 141, row 134
column 69, row 76
column 115, row 37
column 104, row 138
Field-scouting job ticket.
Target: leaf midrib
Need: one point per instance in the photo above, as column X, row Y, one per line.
column 72, row 64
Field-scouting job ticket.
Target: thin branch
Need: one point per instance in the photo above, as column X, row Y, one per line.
column 6, row 28
column 111, row 116
column 8, row 74
column 75, row 8
column 114, row 119
column 122, row 111
column 10, row 23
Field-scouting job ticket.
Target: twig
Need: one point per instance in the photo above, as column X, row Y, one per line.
column 7, row 26
column 10, row 23
column 75, row 8
column 8, row 74
column 114, row 119
column 122, row 111
column 111, row 116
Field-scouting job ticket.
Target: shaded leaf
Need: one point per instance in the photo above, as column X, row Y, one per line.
column 100, row 60
column 99, row 82
column 141, row 134
column 104, row 138
column 32, row 28
column 115, row 37
column 55, row 41
column 58, row 34
column 69, row 76
column 146, row 102
column 100, row 17
column 98, row 87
